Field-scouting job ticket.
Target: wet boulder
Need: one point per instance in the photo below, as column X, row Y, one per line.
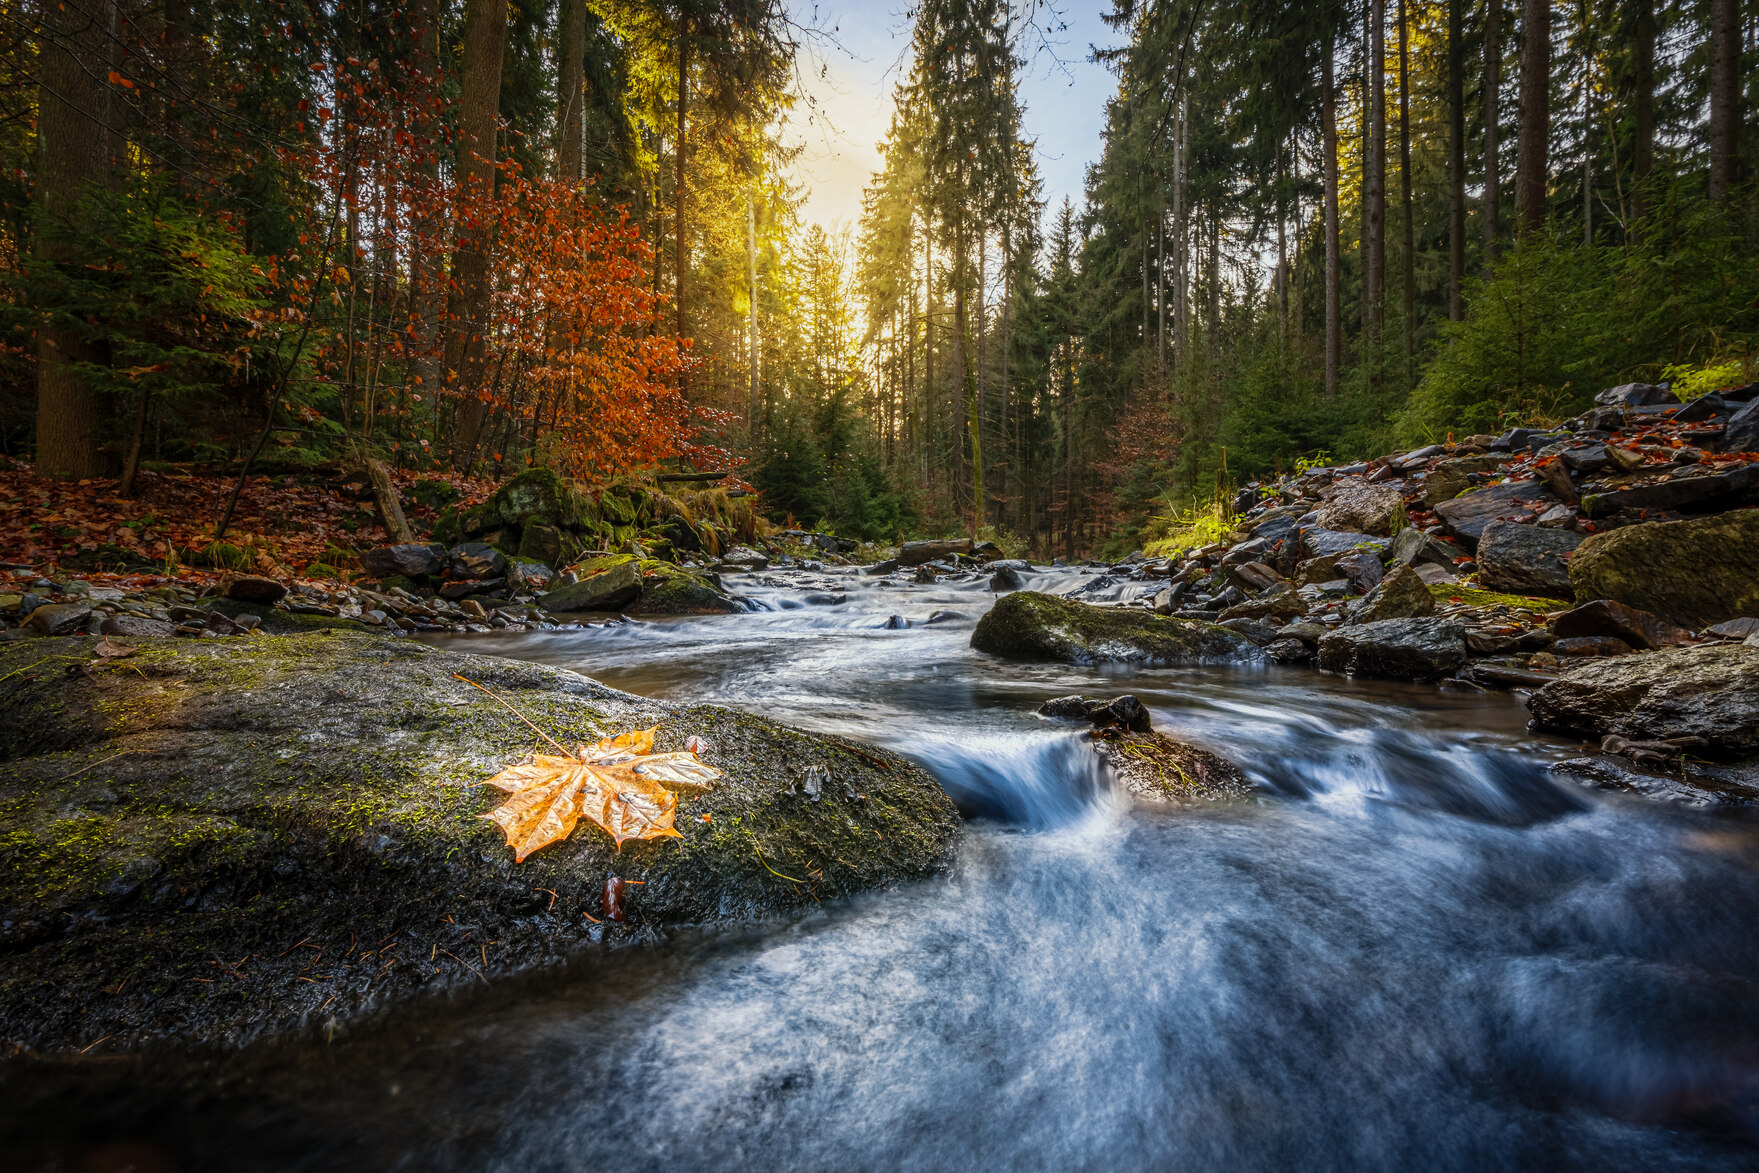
column 1397, row 649
column 744, row 558
column 1691, row 492
column 1636, row 395
column 1007, row 579
column 58, row 618
column 607, row 584
column 1357, row 506
column 255, row 589
column 1741, row 433
column 1466, row 517
column 667, row 590
column 1362, row 569
column 412, row 560
column 1153, row 766
column 1604, row 617
column 1029, row 625
column 1526, row 559
column 1401, row 595
column 1709, row 692
column 1318, row 542
column 275, row 801
column 1692, row 573
column 1124, row 712
column 916, row 553
column 476, row 560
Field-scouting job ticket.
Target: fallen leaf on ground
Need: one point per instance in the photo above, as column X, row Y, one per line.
column 620, row 784
column 107, row 649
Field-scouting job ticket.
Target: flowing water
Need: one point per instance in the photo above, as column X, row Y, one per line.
column 1416, row 951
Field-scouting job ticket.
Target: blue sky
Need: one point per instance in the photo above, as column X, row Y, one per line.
column 851, row 84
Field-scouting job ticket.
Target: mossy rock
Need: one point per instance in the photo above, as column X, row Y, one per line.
column 1695, row 573
column 606, row 584
column 1028, row 625
column 536, row 495
column 269, row 833
column 1154, row 766
column 669, row 590
column 434, row 494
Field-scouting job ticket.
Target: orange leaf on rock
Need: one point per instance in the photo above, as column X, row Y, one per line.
column 620, row 784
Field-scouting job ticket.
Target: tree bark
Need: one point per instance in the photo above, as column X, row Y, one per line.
column 421, row 112
column 1334, row 326
column 1725, row 97
column 1643, row 110
column 479, row 103
column 390, row 508
column 1408, row 266
column 571, row 92
column 1491, row 210
column 751, row 325
column 76, row 146
column 1531, row 158
column 678, row 235
column 1456, row 165
column 1376, row 189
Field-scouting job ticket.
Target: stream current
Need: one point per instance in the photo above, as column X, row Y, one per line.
column 1416, row 951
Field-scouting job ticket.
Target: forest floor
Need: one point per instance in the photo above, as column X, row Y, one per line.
column 282, row 523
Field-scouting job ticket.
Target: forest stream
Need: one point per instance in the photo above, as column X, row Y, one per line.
column 1415, row 950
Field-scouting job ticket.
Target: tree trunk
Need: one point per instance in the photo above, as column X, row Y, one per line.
column 76, row 147
column 1531, row 158
column 1492, row 206
column 571, row 92
column 1376, row 190
column 1456, row 166
column 751, row 325
column 479, row 102
column 390, row 508
column 421, row 111
column 1725, row 96
column 1409, row 265
column 1334, row 326
column 678, row 234
column 1643, row 110
column 131, row 466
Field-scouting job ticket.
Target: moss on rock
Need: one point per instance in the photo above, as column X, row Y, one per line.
column 1028, row 625
column 214, row 840
column 1156, row 767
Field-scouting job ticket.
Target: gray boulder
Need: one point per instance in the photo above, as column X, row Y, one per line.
column 1709, row 692
column 1741, row 434
column 1007, row 579
column 1697, row 492
column 1604, row 617
column 1029, row 625
column 607, row 588
column 1318, row 542
column 1636, row 395
column 477, row 560
column 916, row 553
column 58, row 618
column 1526, row 559
column 410, row 561
column 1401, row 595
column 1397, row 649
column 1466, row 517
column 1693, row 573
column 1360, row 507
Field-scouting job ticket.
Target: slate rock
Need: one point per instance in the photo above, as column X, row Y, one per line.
column 1591, row 645
column 1449, row 478
column 58, row 618
column 1030, row 625
column 1285, row 650
column 1710, row 692
column 1466, row 517
column 1413, row 547
column 1125, row 711
column 1401, row 595
column 477, row 560
column 916, row 553
column 1526, row 559
column 1706, row 406
column 1734, row 629
column 1697, row 494
column 1741, row 433
column 1396, row 649
column 1360, row 507
column 412, row 560
column 1362, row 569
column 1318, row 542
column 744, row 558
column 1636, row 395
column 136, row 626
column 251, row 589
column 1609, row 618
column 1007, row 579
column 1695, row 572
column 611, row 588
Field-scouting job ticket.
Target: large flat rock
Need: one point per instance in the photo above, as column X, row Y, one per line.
column 1710, row 692
column 1694, row 573
column 1466, row 517
column 1028, row 625
column 213, row 840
